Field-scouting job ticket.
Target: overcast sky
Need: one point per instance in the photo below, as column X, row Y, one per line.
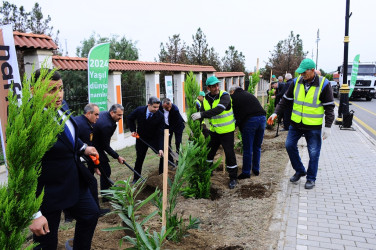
column 253, row 27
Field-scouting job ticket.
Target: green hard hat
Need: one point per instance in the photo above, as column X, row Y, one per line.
column 212, row 80
column 202, row 93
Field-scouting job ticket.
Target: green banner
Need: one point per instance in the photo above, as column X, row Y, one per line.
column 98, row 75
column 354, row 73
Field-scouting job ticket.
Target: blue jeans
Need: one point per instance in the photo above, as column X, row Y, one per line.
column 252, row 136
column 313, row 138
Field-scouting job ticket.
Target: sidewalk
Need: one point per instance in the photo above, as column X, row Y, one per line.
column 340, row 212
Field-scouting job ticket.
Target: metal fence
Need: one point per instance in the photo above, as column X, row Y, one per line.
column 133, row 95
column 75, row 90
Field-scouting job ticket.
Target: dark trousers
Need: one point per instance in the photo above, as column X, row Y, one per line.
column 178, row 139
column 141, row 149
column 287, row 118
column 93, row 184
column 227, row 142
column 86, row 213
column 105, row 184
column 252, row 134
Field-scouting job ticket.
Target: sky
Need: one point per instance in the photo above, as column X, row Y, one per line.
column 253, row 27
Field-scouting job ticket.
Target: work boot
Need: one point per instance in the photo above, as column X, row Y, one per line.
column 309, row 184
column 104, row 211
column 233, row 174
column 244, row 176
column 232, row 183
column 297, row 176
column 255, row 172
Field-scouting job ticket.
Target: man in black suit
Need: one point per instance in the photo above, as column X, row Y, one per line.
column 64, row 183
column 85, row 124
column 174, row 122
column 102, row 132
column 150, row 124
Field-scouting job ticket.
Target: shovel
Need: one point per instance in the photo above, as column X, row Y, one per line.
column 276, row 134
column 95, row 160
column 155, row 151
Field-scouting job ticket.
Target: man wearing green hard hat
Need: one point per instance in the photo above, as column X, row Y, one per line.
column 217, row 107
column 311, row 98
column 199, row 100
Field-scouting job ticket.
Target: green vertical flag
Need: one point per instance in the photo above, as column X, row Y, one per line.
column 98, row 75
column 354, row 73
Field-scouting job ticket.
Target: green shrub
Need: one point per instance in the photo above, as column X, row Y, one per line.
column 123, row 200
column 179, row 229
column 200, row 173
column 32, row 129
column 253, row 81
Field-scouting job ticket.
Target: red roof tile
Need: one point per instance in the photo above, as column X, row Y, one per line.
column 228, row 74
column 77, row 63
column 33, row 41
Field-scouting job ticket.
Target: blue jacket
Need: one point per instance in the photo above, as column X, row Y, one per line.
column 61, row 173
column 103, row 130
column 150, row 129
column 175, row 120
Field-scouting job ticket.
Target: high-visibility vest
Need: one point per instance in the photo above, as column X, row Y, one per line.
column 308, row 108
column 223, row 122
column 198, row 103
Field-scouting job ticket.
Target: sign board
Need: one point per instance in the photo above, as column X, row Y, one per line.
column 169, row 89
column 354, row 73
column 98, row 75
column 9, row 74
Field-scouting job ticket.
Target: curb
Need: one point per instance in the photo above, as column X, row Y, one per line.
column 278, row 220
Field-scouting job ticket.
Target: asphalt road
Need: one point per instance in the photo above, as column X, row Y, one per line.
column 365, row 114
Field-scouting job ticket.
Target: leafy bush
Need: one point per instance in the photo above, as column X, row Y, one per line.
column 270, row 106
column 255, row 78
column 123, row 196
column 187, row 158
column 200, row 173
column 32, row 129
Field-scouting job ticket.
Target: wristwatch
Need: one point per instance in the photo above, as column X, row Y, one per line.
column 83, row 148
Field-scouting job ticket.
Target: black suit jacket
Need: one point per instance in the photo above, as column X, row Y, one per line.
column 175, row 120
column 61, row 173
column 85, row 129
column 103, row 130
column 150, row 129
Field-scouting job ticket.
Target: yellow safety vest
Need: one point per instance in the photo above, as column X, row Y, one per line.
column 308, row 108
column 223, row 122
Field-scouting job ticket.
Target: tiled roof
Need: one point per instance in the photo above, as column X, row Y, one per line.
column 228, row 74
column 33, row 41
column 77, row 63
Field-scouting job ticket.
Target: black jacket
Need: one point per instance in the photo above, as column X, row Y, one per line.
column 103, row 130
column 245, row 105
column 61, row 173
column 175, row 120
column 279, row 93
column 150, row 129
column 85, row 129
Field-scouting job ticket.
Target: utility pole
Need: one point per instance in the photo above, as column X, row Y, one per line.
column 344, row 90
column 317, row 41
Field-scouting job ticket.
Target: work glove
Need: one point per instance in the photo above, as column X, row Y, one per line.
column 326, row 132
column 196, row 116
column 271, row 119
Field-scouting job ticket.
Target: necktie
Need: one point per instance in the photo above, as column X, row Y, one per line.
column 150, row 115
column 68, row 134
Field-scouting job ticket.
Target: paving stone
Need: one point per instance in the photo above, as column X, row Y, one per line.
column 340, row 212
